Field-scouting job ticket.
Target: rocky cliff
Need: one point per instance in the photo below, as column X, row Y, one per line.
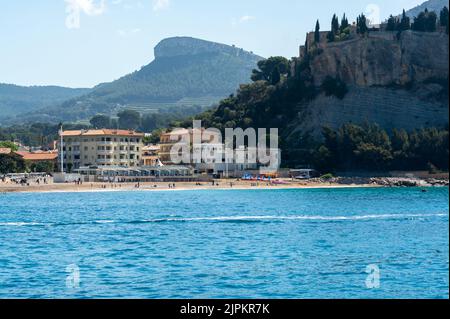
column 396, row 82
column 382, row 59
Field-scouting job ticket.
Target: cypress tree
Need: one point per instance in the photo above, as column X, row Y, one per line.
column 317, row 32
column 443, row 17
column 392, row 24
column 344, row 23
column 405, row 23
column 335, row 24
column 361, row 24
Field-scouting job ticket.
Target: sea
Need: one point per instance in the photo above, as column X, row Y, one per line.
column 282, row 243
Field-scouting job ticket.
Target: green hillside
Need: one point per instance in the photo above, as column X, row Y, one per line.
column 185, row 72
column 20, row 99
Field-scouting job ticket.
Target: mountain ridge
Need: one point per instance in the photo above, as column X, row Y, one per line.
column 431, row 5
column 15, row 99
column 185, row 72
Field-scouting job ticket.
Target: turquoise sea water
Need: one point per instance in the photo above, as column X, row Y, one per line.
column 226, row 244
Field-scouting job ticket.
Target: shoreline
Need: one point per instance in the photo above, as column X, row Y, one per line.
column 186, row 186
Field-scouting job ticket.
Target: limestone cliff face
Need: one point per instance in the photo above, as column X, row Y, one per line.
column 394, row 82
column 382, row 60
column 388, row 107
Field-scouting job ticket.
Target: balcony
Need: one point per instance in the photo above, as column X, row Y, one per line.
column 105, row 161
column 105, row 152
column 71, row 143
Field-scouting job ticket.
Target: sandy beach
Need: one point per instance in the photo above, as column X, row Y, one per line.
column 219, row 185
column 224, row 184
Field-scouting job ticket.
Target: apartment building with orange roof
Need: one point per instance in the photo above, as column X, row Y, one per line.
column 105, row 147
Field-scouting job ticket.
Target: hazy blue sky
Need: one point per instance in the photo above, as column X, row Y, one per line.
column 80, row 43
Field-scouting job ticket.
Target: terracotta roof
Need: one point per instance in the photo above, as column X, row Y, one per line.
column 182, row 131
column 38, row 156
column 5, row 150
column 177, row 132
column 102, row 132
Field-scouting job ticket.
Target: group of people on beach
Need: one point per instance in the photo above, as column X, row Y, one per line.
column 24, row 180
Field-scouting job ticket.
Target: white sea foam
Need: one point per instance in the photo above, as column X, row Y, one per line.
column 20, row 224
column 255, row 218
column 297, row 217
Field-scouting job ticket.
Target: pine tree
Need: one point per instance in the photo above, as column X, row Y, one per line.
column 275, row 77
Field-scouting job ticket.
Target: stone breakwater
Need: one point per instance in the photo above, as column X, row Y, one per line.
column 387, row 181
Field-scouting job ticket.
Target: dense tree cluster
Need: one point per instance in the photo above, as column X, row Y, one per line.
column 271, row 70
column 368, row 147
column 361, row 24
column 12, row 163
column 426, row 21
column 35, row 134
column 396, row 24
column 133, row 120
column 335, row 87
column 9, row 144
column 339, row 32
column 263, row 103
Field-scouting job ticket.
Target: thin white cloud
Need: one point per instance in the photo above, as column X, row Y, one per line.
column 127, row 33
column 160, row 4
column 246, row 18
column 74, row 8
column 241, row 20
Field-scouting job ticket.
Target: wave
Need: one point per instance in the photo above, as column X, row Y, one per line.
column 235, row 219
